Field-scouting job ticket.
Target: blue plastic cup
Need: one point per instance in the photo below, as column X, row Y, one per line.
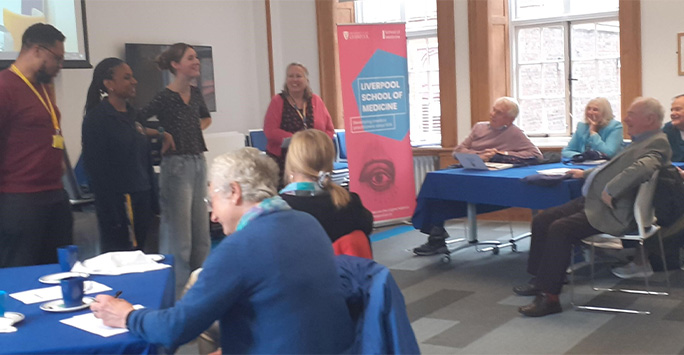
column 67, row 257
column 72, row 291
column 3, row 299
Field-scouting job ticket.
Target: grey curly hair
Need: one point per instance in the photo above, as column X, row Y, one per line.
column 255, row 172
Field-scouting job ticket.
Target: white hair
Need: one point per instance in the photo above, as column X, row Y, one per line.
column 651, row 106
column 606, row 110
column 513, row 106
column 255, row 172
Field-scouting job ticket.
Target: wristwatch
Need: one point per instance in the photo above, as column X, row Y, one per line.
column 160, row 129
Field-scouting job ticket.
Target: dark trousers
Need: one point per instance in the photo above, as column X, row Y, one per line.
column 33, row 226
column 113, row 221
column 554, row 232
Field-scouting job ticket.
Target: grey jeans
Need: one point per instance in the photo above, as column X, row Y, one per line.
column 184, row 226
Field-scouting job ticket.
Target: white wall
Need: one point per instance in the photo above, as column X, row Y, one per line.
column 236, row 29
column 661, row 20
column 295, row 39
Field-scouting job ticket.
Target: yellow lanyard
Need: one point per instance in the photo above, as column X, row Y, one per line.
column 294, row 106
column 48, row 106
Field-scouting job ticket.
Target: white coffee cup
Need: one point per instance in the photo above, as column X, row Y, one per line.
column 5, row 322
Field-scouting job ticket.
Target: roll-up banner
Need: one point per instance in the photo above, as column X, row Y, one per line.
column 374, row 75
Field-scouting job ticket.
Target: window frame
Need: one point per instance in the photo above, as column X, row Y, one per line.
column 565, row 21
column 425, row 34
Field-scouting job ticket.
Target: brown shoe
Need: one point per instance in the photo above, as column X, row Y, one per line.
column 541, row 306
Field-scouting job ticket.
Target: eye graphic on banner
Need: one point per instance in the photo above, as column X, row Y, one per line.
column 378, row 174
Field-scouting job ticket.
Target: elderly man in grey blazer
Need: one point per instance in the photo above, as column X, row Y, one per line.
column 607, row 206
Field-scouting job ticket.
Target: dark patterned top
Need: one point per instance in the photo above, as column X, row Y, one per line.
column 180, row 120
column 292, row 121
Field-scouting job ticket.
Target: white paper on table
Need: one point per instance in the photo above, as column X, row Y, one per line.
column 553, row 172
column 55, row 292
column 118, row 263
column 90, row 324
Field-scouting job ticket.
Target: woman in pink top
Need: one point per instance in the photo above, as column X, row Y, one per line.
column 295, row 109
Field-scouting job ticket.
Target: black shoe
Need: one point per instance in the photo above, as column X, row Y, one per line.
column 541, row 306
column 527, row 289
column 436, row 244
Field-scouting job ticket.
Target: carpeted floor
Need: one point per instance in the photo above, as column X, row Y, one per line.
column 466, row 306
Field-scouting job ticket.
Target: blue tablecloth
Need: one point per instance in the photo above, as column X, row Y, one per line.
column 446, row 193
column 42, row 333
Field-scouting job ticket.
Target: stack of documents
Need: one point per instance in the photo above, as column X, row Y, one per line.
column 118, row 263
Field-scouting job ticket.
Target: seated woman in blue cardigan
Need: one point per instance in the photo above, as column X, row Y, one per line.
column 272, row 283
column 599, row 132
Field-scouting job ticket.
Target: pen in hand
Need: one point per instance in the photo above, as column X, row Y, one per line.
column 117, row 294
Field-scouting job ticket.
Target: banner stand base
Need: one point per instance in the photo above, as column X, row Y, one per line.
column 392, row 222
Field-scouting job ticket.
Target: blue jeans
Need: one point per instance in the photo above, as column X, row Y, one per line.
column 184, row 226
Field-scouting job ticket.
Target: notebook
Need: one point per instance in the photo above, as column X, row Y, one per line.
column 474, row 162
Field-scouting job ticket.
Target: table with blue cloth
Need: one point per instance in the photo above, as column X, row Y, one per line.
column 42, row 333
column 455, row 193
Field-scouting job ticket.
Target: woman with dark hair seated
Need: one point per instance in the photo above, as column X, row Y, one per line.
column 308, row 168
column 599, row 134
column 116, row 155
column 272, row 283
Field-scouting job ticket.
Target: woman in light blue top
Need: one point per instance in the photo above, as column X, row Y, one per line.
column 599, row 131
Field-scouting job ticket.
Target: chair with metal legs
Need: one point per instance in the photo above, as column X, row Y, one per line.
column 644, row 214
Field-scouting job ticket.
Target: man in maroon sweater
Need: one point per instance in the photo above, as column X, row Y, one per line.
column 499, row 136
column 35, row 214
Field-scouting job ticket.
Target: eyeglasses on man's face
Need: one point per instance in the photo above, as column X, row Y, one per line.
column 58, row 58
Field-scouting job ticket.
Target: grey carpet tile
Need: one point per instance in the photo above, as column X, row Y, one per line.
column 677, row 313
column 407, row 278
column 554, row 334
column 637, row 334
column 426, row 348
column 477, row 316
column 434, row 303
column 426, row 328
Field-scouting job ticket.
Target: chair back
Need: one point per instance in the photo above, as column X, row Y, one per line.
column 336, row 145
column 644, row 210
column 257, row 139
column 74, row 190
column 341, row 145
column 377, row 306
column 355, row 244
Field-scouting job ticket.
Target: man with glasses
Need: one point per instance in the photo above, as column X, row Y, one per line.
column 35, row 214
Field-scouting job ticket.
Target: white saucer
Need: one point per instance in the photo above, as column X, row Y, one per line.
column 58, row 305
column 16, row 317
column 156, row 257
column 54, row 279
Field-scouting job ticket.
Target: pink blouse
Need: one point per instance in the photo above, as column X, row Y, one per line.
column 274, row 119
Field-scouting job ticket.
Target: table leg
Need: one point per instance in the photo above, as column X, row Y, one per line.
column 472, row 222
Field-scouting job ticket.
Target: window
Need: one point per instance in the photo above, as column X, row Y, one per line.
column 564, row 53
column 420, row 17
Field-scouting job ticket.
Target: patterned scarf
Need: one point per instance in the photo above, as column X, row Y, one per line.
column 267, row 206
column 304, row 188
